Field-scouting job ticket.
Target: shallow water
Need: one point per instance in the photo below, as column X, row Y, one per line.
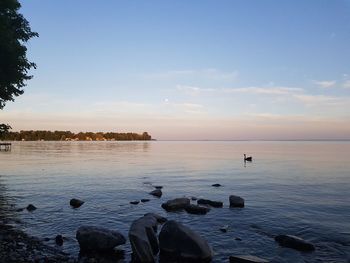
column 299, row 188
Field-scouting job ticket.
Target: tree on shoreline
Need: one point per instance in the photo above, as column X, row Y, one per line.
column 14, row 65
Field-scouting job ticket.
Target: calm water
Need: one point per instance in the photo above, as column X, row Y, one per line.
column 299, row 188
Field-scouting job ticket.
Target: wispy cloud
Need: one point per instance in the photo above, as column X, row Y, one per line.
column 347, row 84
column 325, row 83
column 265, row 90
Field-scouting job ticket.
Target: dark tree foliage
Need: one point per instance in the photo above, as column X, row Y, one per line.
column 68, row 136
column 14, row 65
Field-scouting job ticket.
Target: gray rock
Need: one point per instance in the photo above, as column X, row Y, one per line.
column 98, row 239
column 59, row 240
column 31, row 208
column 145, row 200
column 224, row 229
column 160, row 219
column 236, row 201
column 176, row 204
column 157, row 193
column 76, row 203
column 216, row 185
column 179, row 241
column 209, row 202
column 247, row 259
column 143, row 239
column 134, row 202
column 294, row 242
column 196, row 209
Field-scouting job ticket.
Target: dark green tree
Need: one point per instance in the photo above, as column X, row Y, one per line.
column 14, row 65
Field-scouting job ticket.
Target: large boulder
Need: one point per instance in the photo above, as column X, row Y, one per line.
column 247, row 259
column 75, row 203
column 210, row 202
column 92, row 238
column 143, row 239
column 197, row 209
column 236, row 201
column 179, row 242
column 176, row 204
column 294, row 242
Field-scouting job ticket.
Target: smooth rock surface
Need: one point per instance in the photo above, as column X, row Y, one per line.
column 196, row 209
column 210, row 202
column 76, row 203
column 143, row 239
column 176, row 204
column 157, row 193
column 236, row 201
column 294, row 242
column 180, row 242
column 98, row 239
column 246, row 259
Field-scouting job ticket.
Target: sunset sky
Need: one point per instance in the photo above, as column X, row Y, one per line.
column 189, row 69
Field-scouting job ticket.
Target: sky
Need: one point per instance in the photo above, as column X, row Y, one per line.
column 184, row 70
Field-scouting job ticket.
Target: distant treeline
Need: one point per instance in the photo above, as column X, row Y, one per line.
column 70, row 136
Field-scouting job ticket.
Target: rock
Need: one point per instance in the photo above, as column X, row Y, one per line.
column 145, row 200
column 143, row 239
column 238, row 239
column 19, row 209
column 31, row 208
column 294, row 242
column 157, row 193
column 134, row 202
column 98, row 239
column 236, row 201
column 158, row 187
column 224, row 229
column 247, row 259
column 176, row 204
column 59, row 240
column 193, row 198
column 160, row 219
column 179, row 241
column 75, row 203
column 216, row 185
column 196, row 209
column 209, row 202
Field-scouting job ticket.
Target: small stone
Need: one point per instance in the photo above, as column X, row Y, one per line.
column 134, row 202
column 31, row 208
column 216, row 185
column 176, row 204
column 224, row 229
column 193, row 198
column 59, row 240
column 238, row 239
column 75, row 203
column 157, row 193
column 145, row 200
column 236, row 201
column 158, row 187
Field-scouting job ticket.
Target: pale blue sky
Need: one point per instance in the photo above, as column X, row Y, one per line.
column 189, row 69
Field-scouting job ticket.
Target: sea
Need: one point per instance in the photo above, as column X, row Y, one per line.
column 300, row 188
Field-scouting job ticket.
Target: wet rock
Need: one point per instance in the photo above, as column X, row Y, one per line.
column 179, row 241
column 158, row 187
column 59, row 240
column 224, row 229
column 160, row 219
column 75, row 203
column 216, row 185
column 209, row 202
column 98, row 238
column 145, row 200
column 31, row 208
column 19, row 209
column 143, row 239
column 176, row 204
column 238, row 239
column 134, row 202
column 294, row 242
column 157, row 193
column 247, row 259
column 236, row 201
column 196, row 209
column 193, row 198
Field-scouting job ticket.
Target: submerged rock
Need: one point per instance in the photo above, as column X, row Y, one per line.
column 180, row 242
column 75, row 203
column 59, row 240
column 216, row 185
column 294, row 242
column 176, row 204
column 134, row 202
column 247, row 259
column 236, row 201
column 209, row 202
column 145, row 200
column 98, row 239
column 224, row 229
column 158, row 187
column 143, row 239
column 157, row 193
column 31, row 208
column 196, row 209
